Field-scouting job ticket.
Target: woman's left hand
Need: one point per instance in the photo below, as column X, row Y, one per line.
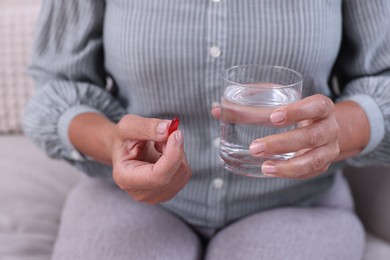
column 315, row 142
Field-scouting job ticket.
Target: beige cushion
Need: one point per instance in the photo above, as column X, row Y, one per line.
column 17, row 23
column 376, row 248
column 371, row 191
column 33, row 189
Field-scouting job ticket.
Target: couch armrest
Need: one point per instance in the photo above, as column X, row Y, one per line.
column 371, row 191
column 33, row 189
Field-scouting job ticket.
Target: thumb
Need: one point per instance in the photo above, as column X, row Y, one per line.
column 138, row 128
column 172, row 156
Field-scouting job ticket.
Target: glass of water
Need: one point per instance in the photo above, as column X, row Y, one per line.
column 251, row 93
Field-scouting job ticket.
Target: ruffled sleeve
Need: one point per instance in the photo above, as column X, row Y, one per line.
column 68, row 67
column 364, row 70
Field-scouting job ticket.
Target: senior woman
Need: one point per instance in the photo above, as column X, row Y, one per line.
column 164, row 58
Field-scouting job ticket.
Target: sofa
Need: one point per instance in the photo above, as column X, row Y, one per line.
column 33, row 188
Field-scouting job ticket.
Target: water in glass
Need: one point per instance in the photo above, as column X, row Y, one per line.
column 245, row 117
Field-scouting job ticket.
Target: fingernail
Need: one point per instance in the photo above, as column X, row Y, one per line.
column 215, row 104
column 179, row 137
column 162, row 127
column 268, row 169
column 257, row 147
column 278, row 116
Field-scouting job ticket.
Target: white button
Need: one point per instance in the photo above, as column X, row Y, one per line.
column 75, row 155
column 216, row 142
column 216, row 1
column 215, row 52
column 218, row 183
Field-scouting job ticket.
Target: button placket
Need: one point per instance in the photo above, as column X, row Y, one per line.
column 215, row 62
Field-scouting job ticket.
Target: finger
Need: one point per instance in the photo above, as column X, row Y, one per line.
column 233, row 113
column 139, row 128
column 310, row 164
column 171, row 157
column 151, row 154
column 216, row 110
column 136, row 150
column 313, row 107
column 125, row 177
column 127, row 150
column 178, row 182
column 144, row 175
column 142, row 195
column 139, row 176
column 159, row 146
column 291, row 141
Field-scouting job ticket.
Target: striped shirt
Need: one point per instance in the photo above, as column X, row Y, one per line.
column 165, row 58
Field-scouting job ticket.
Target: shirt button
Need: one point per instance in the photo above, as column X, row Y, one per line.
column 218, row 183
column 216, row 142
column 215, row 52
column 75, row 155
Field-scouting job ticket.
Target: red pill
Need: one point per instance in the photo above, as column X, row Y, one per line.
column 174, row 125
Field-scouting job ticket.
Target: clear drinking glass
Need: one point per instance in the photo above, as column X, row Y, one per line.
column 251, row 93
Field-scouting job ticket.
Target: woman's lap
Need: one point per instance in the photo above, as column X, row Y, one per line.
column 291, row 234
column 327, row 230
column 102, row 222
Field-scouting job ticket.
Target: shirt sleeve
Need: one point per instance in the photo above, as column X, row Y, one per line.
column 68, row 67
column 364, row 70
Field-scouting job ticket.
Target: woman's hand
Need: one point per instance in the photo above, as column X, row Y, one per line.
column 147, row 163
column 315, row 141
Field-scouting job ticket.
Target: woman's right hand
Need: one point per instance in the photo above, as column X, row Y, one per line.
column 147, row 163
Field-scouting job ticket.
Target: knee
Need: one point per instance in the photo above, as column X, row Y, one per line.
column 291, row 234
column 353, row 235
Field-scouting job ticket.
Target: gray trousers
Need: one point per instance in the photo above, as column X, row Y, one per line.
column 100, row 221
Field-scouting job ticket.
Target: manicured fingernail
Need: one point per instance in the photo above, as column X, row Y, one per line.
column 215, row 104
column 268, row 169
column 162, row 127
column 257, row 147
column 179, row 137
column 278, row 116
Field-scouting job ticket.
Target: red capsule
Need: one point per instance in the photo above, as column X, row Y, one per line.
column 174, row 125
